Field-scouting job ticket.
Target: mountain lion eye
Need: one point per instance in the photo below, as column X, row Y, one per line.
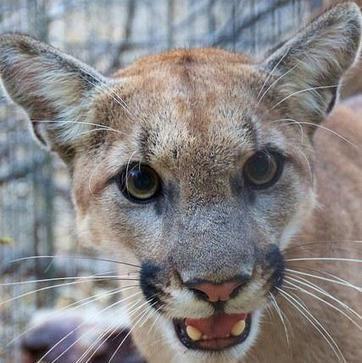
column 139, row 183
column 263, row 169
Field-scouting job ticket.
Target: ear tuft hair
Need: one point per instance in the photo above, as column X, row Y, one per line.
column 306, row 71
column 53, row 88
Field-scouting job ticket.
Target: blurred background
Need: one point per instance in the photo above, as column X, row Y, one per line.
column 36, row 216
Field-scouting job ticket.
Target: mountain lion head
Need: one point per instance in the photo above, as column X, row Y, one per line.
column 196, row 166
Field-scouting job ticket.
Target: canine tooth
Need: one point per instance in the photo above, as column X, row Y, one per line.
column 238, row 328
column 193, row 333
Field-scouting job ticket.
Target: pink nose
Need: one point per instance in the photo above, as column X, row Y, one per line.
column 217, row 292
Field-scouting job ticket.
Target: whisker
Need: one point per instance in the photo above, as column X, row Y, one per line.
column 333, row 243
column 84, row 133
column 325, row 302
column 74, row 306
column 155, row 321
column 328, row 259
column 103, row 86
column 338, row 282
column 107, row 87
column 269, row 76
column 302, row 91
column 279, row 312
column 293, row 122
column 322, row 127
column 314, row 322
column 77, row 328
column 127, row 167
column 100, row 126
column 310, row 170
column 269, row 312
column 109, row 332
column 315, row 287
column 60, row 285
column 150, row 312
column 275, row 82
column 102, row 338
column 75, row 258
column 130, row 331
column 92, row 277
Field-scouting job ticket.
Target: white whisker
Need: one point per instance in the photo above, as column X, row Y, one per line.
column 315, row 287
column 21, row 259
column 302, row 91
column 293, row 122
column 335, row 281
column 102, row 338
column 269, row 76
column 322, row 127
column 314, row 322
column 279, row 312
column 330, row 244
column 328, row 259
column 74, row 306
column 100, row 126
column 77, row 328
column 60, row 285
column 155, row 321
column 324, row 301
column 275, row 82
column 90, row 277
column 130, row 331
column 127, row 167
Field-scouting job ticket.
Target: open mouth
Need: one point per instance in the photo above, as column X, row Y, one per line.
column 217, row 332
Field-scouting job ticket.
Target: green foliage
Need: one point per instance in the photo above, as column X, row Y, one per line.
column 6, row 240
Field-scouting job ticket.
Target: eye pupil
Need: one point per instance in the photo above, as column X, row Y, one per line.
column 260, row 166
column 142, row 180
column 139, row 183
column 262, row 169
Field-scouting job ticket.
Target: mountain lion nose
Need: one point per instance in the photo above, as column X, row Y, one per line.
column 217, row 292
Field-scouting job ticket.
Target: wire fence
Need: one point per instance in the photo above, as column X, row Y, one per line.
column 36, row 215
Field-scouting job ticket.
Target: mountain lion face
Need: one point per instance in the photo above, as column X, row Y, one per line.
column 197, row 165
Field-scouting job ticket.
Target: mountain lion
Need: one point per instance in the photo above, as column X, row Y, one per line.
column 231, row 203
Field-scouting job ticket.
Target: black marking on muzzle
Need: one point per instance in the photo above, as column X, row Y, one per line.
column 150, row 284
column 275, row 262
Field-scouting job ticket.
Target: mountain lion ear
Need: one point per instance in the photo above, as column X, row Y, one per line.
column 306, row 71
column 53, row 88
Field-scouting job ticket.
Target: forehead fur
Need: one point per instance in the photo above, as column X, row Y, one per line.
column 170, row 102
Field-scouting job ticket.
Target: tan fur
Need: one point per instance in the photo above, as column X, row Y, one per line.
column 196, row 116
column 352, row 81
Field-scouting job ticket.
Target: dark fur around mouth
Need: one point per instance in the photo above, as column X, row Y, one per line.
column 151, row 285
column 275, row 262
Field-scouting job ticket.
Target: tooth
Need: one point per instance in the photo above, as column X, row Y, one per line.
column 193, row 333
column 238, row 328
